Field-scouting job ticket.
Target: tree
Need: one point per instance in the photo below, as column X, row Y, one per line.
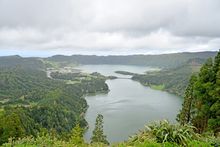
column 77, row 135
column 98, row 133
column 201, row 105
column 217, row 62
column 204, row 89
column 214, row 121
column 184, row 116
column 10, row 126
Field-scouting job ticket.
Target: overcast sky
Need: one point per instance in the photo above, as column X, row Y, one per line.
column 102, row 27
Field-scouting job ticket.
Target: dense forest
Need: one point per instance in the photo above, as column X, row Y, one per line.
column 36, row 110
column 31, row 102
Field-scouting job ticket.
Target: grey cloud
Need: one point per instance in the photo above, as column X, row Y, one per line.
column 116, row 26
column 42, row 13
column 202, row 18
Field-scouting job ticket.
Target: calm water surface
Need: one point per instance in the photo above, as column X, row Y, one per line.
column 129, row 105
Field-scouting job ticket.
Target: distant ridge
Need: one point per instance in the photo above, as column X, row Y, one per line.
column 163, row 60
column 215, row 52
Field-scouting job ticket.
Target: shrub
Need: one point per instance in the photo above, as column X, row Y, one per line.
column 166, row 132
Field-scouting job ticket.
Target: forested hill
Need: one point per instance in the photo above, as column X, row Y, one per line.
column 17, row 61
column 163, row 60
column 31, row 102
column 173, row 80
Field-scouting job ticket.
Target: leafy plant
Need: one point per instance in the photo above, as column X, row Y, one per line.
column 166, row 132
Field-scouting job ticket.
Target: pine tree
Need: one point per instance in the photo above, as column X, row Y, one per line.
column 214, row 121
column 98, row 133
column 77, row 135
column 201, row 105
column 185, row 114
column 217, row 62
column 204, row 95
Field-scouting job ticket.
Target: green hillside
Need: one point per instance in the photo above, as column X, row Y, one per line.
column 31, row 102
column 173, row 80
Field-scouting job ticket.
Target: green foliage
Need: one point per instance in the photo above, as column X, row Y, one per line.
column 146, row 143
column 158, row 87
column 46, row 140
column 98, row 133
column 173, row 80
column 77, row 135
column 199, row 144
column 168, row 135
column 184, row 116
column 32, row 104
column 41, row 140
column 11, row 126
column 89, row 83
column 19, row 62
column 165, row 132
column 161, row 134
column 202, row 99
column 37, row 101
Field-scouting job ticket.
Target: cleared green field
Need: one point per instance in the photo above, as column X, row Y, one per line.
column 158, row 87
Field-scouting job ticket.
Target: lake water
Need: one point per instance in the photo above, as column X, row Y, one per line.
column 129, row 105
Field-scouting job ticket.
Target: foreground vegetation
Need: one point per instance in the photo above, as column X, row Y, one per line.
column 161, row 134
